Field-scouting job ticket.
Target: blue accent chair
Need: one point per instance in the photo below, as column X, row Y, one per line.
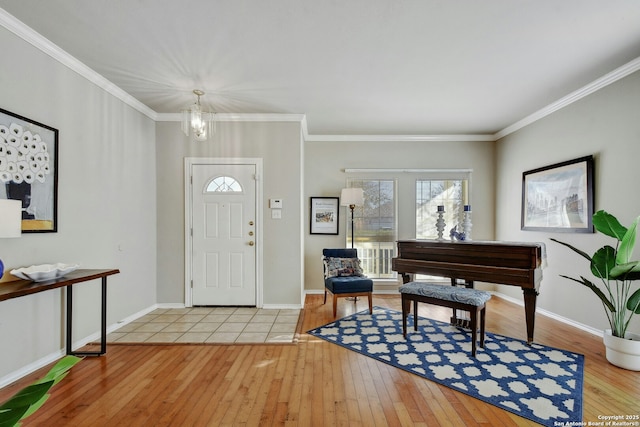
column 346, row 286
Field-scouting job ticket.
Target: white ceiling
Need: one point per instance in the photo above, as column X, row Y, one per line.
column 353, row 67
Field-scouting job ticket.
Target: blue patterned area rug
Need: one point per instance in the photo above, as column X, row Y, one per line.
column 539, row 383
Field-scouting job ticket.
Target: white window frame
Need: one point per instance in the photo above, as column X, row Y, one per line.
column 405, row 196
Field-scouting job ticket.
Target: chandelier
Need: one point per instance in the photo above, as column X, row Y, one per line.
column 197, row 120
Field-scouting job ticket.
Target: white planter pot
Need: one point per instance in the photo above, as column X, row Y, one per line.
column 623, row 352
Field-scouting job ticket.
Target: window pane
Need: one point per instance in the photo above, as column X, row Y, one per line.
column 452, row 194
column 375, row 227
column 224, row 184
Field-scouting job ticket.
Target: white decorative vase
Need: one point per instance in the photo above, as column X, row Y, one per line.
column 440, row 224
column 623, row 352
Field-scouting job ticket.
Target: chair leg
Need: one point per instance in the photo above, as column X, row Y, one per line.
column 415, row 314
column 335, row 305
column 325, row 296
column 370, row 302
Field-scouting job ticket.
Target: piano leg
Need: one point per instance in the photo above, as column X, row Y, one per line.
column 461, row 318
column 530, row 296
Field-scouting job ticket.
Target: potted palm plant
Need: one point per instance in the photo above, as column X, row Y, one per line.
column 616, row 274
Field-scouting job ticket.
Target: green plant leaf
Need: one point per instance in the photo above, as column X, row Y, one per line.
column 595, row 290
column 576, row 250
column 60, row 369
column 608, row 224
column 10, row 417
column 27, row 395
column 35, row 406
column 603, row 261
column 628, row 271
column 625, row 250
column 633, row 303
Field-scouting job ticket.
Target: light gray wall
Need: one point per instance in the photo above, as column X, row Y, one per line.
column 605, row 124
column 279, row 145
column 325, row 177
column 106, row 204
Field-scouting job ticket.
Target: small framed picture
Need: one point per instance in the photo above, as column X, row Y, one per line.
column 29, row 170
column 324, row 215
column 559, row 197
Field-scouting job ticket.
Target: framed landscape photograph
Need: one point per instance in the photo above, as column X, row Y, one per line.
column 29, row 170
column 324, row 215
column 559, row 197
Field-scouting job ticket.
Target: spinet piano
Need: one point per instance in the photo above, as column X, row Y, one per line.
column 505, row 263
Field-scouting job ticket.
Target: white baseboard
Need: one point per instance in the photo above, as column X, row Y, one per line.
column 282, row 306
column 552, row 315
column 170, row 305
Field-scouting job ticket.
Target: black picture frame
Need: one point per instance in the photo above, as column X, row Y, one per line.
column 559, row 197
column 29, row 170
column 324, row 215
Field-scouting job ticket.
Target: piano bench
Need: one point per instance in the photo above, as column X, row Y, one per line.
column 471, row 300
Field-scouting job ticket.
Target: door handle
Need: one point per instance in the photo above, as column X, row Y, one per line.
column 251, row 243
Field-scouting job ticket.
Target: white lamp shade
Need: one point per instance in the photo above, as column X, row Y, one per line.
column 10, row 218
column 352, row 196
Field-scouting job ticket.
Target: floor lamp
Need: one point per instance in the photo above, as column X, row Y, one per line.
column 352, row 197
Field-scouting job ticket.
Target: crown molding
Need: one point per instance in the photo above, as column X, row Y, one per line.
column 399, row 138
column 238, row 117
column 35, row 39
column 612, row 77
column 406, row 170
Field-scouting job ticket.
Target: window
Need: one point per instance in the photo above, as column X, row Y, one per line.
column 224, row 184
column 402, row 205
column 430, row 193
column 375, row 231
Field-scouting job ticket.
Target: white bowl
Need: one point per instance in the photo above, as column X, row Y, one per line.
column 41, row 273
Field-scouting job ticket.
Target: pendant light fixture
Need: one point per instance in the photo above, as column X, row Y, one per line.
column 198, row 121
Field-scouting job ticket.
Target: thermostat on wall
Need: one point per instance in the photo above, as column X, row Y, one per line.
column 275, row 203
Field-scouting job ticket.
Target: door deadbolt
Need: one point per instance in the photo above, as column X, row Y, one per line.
column 251, row 233
column 250, row 222
column 251, row 243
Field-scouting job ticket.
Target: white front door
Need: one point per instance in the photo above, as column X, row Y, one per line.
column 223, row 234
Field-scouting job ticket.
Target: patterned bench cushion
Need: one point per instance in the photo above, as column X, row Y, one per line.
column 445, row 292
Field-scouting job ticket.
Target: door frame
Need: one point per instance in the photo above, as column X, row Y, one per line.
column 188, row 220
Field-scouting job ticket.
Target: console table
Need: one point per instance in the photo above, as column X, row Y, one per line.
column 20, row 288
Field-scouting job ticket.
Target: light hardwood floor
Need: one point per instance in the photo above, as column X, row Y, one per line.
column 309, row 383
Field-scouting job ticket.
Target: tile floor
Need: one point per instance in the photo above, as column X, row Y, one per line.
column 210, row 325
